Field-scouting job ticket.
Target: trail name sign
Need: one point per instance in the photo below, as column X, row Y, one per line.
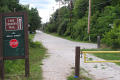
column 13, row 39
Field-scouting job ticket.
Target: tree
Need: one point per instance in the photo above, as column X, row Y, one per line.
column 33, row 15
column 103, row 16
column 80, row 8
column 34, row 20
column 112, row 38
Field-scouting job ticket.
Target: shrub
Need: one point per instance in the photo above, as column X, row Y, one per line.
column 62, row 27
column 112, row 38
column 80, row 29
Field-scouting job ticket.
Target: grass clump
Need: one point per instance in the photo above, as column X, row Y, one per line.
column 81, row 78
column 84, row 75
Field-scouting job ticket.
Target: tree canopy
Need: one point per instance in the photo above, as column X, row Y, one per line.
column 105, row 19
column 33, row 15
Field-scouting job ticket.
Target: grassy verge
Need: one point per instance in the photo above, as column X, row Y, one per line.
column 82, row 76
column 68, row 38
column 108, row 56
column 15, row 69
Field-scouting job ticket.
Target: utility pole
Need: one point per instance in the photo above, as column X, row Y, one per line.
column 89, row 18
column 59, row 11
column 71, row 6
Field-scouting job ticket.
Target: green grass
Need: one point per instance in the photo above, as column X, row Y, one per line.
column 14, row 70
column 82, row 77
column 108, row 56
column 68, row 38
column 31, row 36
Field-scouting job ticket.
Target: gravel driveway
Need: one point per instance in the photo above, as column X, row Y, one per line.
column 58, row 66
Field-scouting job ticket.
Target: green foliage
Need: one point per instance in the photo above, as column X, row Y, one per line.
column 14, row 66
column 80, row 78
column 35, row 44
column 101, row 22
column 104, row 13
column 69, row 29
column 112, row 38
column 62, row 27
column 33, row 15
column 80, row 8
column 4, row 9
column 58, row 21
column 100, row 4
column 79, row 29
column 51, row 28
column 34, row 20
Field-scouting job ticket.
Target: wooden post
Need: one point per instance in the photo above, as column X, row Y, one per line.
column 2, row 69
column 77, row 62
column 98, row 41
column 1, row 51
column 27, row 71
column 27, row 67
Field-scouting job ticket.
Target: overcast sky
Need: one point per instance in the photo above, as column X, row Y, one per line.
column 45, row 7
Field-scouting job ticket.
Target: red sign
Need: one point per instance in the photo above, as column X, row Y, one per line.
column 14, row 43
column 13, row 23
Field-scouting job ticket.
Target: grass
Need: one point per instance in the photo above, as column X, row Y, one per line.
column 31, row 36
column 68, row 38
column 82, row 76
column 108, row 56
column 15, row 69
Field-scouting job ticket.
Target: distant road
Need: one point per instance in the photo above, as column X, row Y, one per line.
column 58, row 66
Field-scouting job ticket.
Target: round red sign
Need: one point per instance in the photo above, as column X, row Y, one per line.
column 14, row 43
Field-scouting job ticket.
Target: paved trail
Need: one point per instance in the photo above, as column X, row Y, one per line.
column 61, row 51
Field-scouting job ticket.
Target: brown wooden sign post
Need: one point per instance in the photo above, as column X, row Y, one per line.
column 14, row 39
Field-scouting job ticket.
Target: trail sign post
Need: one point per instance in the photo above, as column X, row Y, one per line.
column 14, row 39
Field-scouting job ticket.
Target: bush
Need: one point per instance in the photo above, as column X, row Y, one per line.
column 112, row 38
column 80, row 29
column 62, row 27
column 51, row 28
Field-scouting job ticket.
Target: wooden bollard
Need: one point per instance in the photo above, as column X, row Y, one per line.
column 98, row 41
column 77, row 62
column 2, row 69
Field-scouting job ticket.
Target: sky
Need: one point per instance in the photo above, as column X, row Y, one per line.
column 44, row 7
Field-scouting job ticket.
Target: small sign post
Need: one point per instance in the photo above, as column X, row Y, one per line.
column 14, row 39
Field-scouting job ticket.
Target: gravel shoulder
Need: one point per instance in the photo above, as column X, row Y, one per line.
column 58, row 66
